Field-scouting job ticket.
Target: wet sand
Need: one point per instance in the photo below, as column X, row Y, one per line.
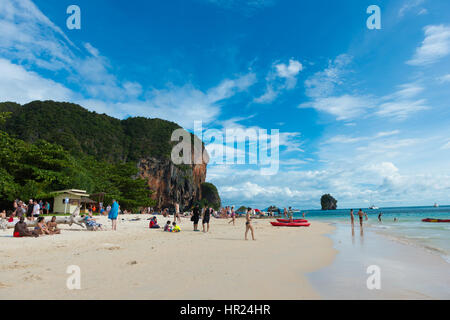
column 407, row 272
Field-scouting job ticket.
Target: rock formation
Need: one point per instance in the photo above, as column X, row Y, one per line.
column 328, row 202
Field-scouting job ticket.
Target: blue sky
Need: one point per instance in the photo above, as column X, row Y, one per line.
column 362, row 113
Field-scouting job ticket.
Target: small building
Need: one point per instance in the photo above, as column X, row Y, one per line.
column 66, row 201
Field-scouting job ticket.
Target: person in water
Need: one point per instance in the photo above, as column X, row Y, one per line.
column 361, row 215
column 21, row 230
column 379, row 216
column 113, row 213
column 248, row 224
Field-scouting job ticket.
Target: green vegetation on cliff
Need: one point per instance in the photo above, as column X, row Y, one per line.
column 80, row 131
column 210, row 196
column 47, row 146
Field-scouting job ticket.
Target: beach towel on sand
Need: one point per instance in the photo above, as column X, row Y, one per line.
column 114, row 212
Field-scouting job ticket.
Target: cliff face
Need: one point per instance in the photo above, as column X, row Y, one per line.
column 173, row 184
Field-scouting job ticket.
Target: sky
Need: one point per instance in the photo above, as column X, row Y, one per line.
column 362, row 114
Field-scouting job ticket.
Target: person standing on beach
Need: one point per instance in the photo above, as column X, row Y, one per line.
column 248, row 224
column 352, row 217
column 285, row 212
column 177, row 213
column 233, row 216
column 206, row 218
column 361, row 215
column 196, row 217
column 30, row 210
column 113, row 213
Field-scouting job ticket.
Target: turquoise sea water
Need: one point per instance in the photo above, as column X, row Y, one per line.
column 409, row 228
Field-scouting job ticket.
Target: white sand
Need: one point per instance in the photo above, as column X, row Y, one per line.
column 138, row 263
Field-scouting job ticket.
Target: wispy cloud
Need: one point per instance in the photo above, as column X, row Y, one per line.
column 410, row 5
column 434, row 47
column 281, row 77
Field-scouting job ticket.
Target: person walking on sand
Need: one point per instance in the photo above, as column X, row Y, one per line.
column 206, row 218
column 177, row 213
column 233, row 216
column 113, row 213
column 248, row 224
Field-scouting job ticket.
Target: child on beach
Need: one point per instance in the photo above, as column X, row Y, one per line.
column 167, row 227
column 176, row 228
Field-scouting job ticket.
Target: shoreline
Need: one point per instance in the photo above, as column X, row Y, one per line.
column 139, row 263
column 407, row 271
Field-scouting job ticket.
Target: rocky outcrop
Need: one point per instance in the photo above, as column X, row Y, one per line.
column 172, row 183
column 328, row 202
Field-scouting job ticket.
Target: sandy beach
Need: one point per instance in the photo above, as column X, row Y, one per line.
column 138, row 263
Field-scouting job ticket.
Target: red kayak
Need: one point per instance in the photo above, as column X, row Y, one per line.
column 435, row 220
column 290, row 224
column 293, row 220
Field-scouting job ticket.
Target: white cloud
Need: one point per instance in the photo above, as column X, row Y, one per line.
column 444, row 78
column 434, row 47
column 22, row 86
column 281, row 77
column 344, row 107
column 321, row 89
column 323, row 83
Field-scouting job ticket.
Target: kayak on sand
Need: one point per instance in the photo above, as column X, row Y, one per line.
column 293, row 220
column 290, row 224
column 435, row 220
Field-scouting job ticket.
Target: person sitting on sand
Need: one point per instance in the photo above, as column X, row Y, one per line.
column 167, row 227
column 21, row 230
column 154, row 223
column 175, row 228
column 41, row 227
column 52, row 226
column 91, row 223
column 3, row 214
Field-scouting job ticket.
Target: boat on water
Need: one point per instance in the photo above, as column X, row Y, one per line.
column 372, row 206
column 436, row 205
column 436, row 220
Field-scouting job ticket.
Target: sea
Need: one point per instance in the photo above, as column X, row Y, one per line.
column 408, row 229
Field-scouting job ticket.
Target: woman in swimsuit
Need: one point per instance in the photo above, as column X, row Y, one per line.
column 41, row 227
column 248, row 224
column 233, row 216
